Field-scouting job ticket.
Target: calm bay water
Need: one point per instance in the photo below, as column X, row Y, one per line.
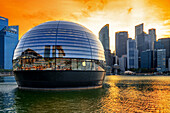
column 119, row 94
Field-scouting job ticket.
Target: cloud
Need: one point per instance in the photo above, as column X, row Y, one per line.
column 75, row 17
column 167, row 22
column 130, row 10
column 90, row 6
column 38, row 15
column 93, row 5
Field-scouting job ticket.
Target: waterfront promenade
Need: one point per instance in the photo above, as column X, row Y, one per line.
column 3, row 74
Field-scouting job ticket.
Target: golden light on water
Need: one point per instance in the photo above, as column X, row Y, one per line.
column 120, row 94
column 122, row 15
column 137, row 94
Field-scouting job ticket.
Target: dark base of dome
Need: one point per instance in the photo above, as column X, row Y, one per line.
column 61, row 89
column 53, row 80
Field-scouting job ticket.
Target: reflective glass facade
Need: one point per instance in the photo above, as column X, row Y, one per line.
column 8, row 42
column 59, row 45
column 132, row 54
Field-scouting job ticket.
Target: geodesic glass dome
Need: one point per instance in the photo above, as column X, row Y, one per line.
column 59, row 45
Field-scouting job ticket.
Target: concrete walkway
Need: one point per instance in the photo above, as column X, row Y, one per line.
column 3, row 74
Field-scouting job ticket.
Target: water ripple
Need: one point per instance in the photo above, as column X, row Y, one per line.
column 119, row 94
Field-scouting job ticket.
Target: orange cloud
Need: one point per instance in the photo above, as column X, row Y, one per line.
column 130, row 10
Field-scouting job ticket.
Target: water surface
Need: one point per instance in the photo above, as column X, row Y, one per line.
column 119, row 94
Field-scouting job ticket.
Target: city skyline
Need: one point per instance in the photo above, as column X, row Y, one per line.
column 120, row 15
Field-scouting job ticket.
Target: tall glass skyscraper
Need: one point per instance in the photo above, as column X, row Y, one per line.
column 147, row 59
column 105, row 40
column 121, row 43
column 152, row 34
column 8, row 42
column 132, row 54
column 138, row 29
column 104, row 37
column 140, row 38
column 161, row 60
column 166, row 43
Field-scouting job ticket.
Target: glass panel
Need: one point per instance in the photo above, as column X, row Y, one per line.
column 36, row 64
column 81, row 64
column 74, row 64
column 26, row 63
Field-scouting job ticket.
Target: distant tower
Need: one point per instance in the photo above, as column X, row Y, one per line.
column 168, row 64
column 158, row 45
column 138, row 29
column 147, row 59
column 166, row 44
column 104, row 38
column 161, row 60
column 8, row 42
column 121, row 43
column 123, row 62
column 140, row 38
column 152, row 33
column 132, row 54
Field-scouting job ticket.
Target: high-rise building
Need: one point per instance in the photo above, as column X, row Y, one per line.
column 3, row 22
column 104, row 37
column 147, row 59
column 148, row 42
column 121, row 43
column 123, row 63
column 168, row 64
column 115, row 63
column 140, row 42
column 140, row 38
column 158, row 45
column 8, row 42
column 152, row 33
column 138, row 29
column 132, row 54
column 105, row 40
column 166, row 43
column 161, row 60
column 143, row 40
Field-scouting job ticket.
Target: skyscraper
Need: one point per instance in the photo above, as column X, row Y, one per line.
column 8, row 42
column 148, row 42
column 161, row 60
column 104, row 37
column 152, row 33
column 140, row 38
column 143, row 41
column 166, row 43
column 158, row 45
column 168, row 64
column 138, row 29
column 123, row 62
column 147, row 59
column 121, row 43
column 105, row 40
column 132, row 54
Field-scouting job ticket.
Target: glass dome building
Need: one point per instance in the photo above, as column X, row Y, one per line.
column 57, row 55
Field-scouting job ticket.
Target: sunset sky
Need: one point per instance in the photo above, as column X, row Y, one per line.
column 121, row 15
